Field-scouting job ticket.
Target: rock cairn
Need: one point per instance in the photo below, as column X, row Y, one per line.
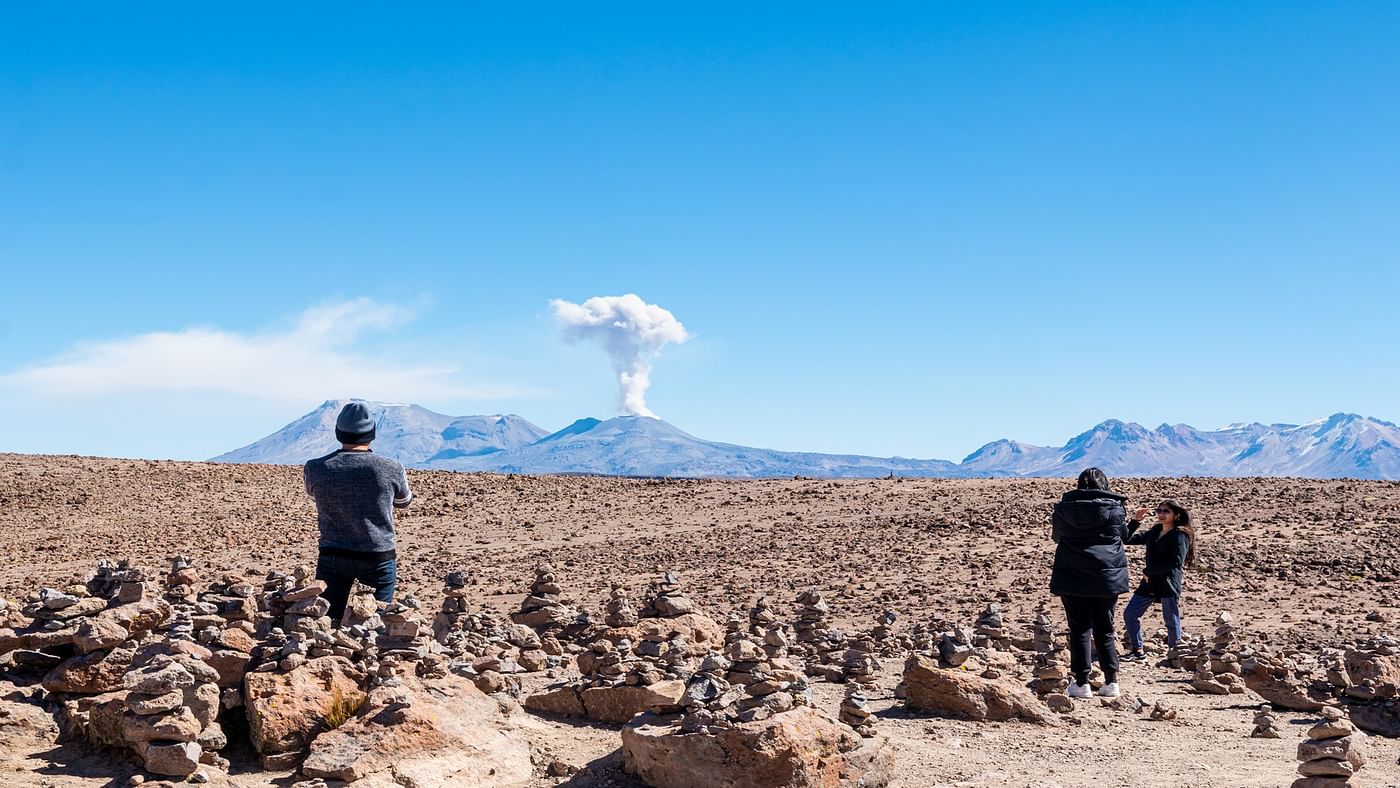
column 1332, row 754
column 117, row 580
column 989, row 630
column 182, row 594
column 620, row 611
column 819, row 643
column 954, row 645
column 859, row 664
column 1207, row 681
column 886, row 643
column 1224, row 650
column 709, row 697
column 1051, row 667
column 406, row 648
column 294, row 621
column 544, row 611
column 170, row 720
column 1266, row 724
column 454, row 615
column 855, row 711
column 666, row 600
column 762, row 616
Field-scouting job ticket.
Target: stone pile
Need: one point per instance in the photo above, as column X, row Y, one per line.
column 819, row 643
column 709, row 698
column 855, row 711
column 117, row 580
column 666, row 600
column 1266, row 724
column 1051, row 665
column 293, row 621
column 772, row 684
column 1332, row 754
column 762, row 616
column 1205, row 679
column 406, row 647
column 886, row 642
column 954, row 645
column 170, row 717
column 989, row 630
column 859, row 664
column 544, row 611
column 1224, row 650
column 620, row 611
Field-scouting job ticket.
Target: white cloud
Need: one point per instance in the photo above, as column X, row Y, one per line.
column 314, row 360
column 631, row 331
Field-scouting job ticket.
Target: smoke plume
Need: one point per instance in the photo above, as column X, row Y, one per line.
column 631, row 331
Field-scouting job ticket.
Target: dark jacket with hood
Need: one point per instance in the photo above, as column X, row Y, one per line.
column 1088, row 528
column 1166, row 555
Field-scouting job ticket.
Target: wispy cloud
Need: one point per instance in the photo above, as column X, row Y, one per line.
column 317, row 358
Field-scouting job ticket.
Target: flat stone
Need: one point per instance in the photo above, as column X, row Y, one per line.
column 173, row 760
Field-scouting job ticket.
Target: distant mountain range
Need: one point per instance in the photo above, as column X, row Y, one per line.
column 1344, row 445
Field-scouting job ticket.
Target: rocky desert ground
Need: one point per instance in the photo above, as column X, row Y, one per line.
column 1302, row 566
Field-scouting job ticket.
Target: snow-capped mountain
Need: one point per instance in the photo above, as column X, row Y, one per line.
column 411, row 434
column 1345, row 445
column 642, row 446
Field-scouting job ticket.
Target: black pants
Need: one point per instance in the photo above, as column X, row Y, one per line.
column 340, row 573
column 1091, row 619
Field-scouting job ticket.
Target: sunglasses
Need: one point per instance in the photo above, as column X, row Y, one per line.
column 1164, row 510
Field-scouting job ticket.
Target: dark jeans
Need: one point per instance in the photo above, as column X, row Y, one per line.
column 1132, row 619
column 1091, row 627
column 341, row 572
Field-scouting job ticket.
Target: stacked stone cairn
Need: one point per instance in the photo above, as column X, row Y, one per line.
column 709, row 697
column 989, row 631
column 861, row 667
column 819, row 643
column 1266, row 724
column 1051, row 666
column 772, row 684
column 544, row 611
column 407, row 648
column 182, row 595
column 666, row 600
column 1332, row 754
column 762, row 616
column 620, row 611
column 1224, row 651
column 1207, row 681
column 954, row 645
column 886, row 642
column 117, row 580
column 172, row 705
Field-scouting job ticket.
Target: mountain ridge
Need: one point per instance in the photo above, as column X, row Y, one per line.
column 1341, row 445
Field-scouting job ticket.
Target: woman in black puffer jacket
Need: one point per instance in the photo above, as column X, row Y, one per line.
column 1089, row 574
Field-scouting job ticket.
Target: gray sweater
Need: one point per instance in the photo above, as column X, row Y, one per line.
column 356, row 493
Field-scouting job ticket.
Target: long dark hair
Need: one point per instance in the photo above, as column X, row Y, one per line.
column 1182, row 521
column 1093, row 479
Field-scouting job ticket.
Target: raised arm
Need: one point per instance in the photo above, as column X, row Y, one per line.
column 1135, row 533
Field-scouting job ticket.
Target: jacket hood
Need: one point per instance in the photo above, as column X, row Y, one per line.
column 1074, row 496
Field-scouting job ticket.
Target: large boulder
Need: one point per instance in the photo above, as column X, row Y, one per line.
column 287, row 710
column 1370, row 665
column 438, row 733
column 1377, row 718
column 801, row 748
column 960, row 693
column 1277, row 681
column 116, row 624
column 609, row 704
column 90, row 674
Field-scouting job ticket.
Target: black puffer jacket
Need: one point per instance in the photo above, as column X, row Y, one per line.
column 1089, row 527
column 1166, row 555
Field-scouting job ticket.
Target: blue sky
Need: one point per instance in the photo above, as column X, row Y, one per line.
column 898, row 229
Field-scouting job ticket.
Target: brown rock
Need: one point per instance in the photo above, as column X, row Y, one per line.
column 703, row 632
column 802, row 747
column 173, row 760
column 1345, row 748
column 620, row 704
column 1274, row 685
column 99, row 632
column 90, row 674
column 1327, row 767
column 563, row 701
column 450, row 734
column 231, row 666
column 287, row 710
column 949, row 691
column 177, row 725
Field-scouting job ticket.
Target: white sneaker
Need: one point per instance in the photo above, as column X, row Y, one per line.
column 1080, row 690
column 1109, row 690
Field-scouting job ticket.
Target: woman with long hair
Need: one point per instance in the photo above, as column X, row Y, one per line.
column 1089, row 574
column 1171, row 548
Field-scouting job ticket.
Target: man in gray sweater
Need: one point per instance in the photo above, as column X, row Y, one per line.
column 356, row 493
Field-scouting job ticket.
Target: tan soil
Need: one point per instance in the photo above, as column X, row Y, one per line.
column 1299, row 562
